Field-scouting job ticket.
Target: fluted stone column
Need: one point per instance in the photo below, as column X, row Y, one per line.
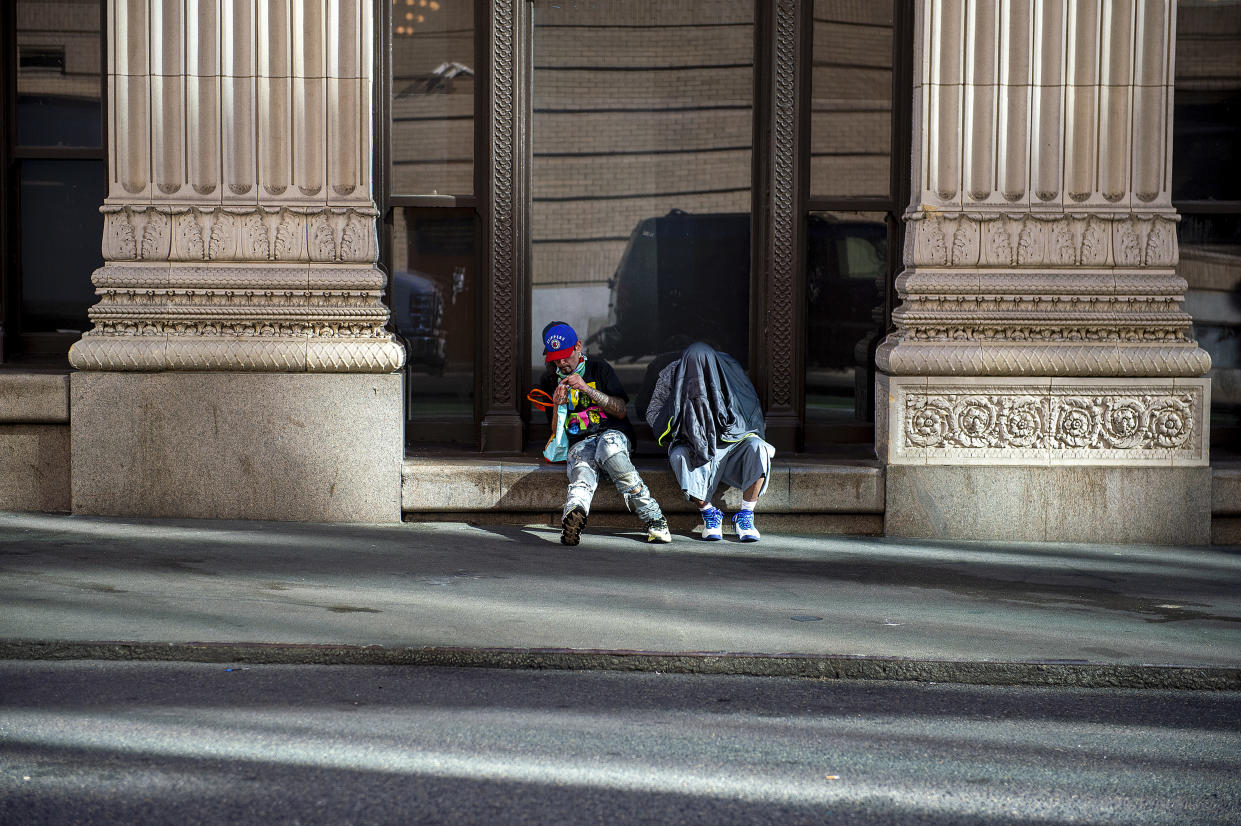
column 1041, row 382
column 238, row 364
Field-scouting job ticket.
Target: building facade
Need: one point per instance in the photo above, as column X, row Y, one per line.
column 990, row 247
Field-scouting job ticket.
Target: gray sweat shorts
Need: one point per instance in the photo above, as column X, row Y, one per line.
column 738, row 465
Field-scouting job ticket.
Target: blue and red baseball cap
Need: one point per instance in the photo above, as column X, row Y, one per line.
column 559, row 339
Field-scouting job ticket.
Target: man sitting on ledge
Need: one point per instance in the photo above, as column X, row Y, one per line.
column 599, row 434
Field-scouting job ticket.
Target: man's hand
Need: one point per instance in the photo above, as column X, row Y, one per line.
column 574, row 382
column 611, row 405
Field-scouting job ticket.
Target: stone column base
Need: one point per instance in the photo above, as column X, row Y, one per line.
column 1146, row 505
column 1074, row 459
column 283, row 446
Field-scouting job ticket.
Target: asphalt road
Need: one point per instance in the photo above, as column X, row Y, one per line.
column 169, row 743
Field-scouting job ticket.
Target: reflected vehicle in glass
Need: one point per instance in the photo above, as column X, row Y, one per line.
column 686, row 277
column 847, row 268
column 418, row 314
column 683, row 277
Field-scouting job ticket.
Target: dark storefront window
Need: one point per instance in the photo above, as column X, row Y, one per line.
column 858, row 190
column 54, row 175
column 434, row 274
column 641, row 180
column 1206, row 189
column 431, row 221
column 847, row 273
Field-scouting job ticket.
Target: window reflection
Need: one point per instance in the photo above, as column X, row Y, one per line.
column 432, row 103
column 847, row 270
column 433, row 301
column 1207, row 134
column 57, row 264
column 58, row 60
column 851, row 112
column 642, row 125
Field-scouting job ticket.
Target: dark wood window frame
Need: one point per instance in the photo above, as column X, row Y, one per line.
column 18, row 346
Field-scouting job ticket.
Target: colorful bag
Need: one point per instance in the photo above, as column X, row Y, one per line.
column 557, row 447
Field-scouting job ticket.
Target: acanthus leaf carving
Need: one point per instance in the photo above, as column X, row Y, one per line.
column 119, row 243
column 290, row 237
column 999, row 246
column 255, row 244
column 1094, row 244
column 1128, row 252
column 965, row 244
column 156, row 238
column 322, row 239
column 1063, row 249
column 1030, row 244
column 223, row 237
column 187, row 238
column 355, row 240
column 1160, row 244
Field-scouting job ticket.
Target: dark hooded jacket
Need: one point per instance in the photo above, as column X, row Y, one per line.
column 702, row 401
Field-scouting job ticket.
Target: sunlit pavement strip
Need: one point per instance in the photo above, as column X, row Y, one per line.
column 456, row 594
column 309, row 743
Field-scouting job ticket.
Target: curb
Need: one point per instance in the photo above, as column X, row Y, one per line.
column 1032, row 673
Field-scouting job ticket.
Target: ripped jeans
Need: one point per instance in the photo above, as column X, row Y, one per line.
column 609, row 449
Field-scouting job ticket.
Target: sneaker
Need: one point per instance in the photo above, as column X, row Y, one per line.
column 657, row 531
column 712, row 520
column 743, row 522
column 574, row 522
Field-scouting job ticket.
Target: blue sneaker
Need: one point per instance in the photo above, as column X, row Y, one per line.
column 743, row 522
column 712, row 522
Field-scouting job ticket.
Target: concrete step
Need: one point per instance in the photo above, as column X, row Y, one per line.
column 803, row 496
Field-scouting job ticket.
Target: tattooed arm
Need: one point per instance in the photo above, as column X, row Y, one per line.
column 613, row 406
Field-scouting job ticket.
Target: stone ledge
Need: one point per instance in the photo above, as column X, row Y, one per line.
column 29, row 397
column 459, row 484
column 1226, row 489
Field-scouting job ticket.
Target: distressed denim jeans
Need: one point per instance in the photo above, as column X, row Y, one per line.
column 608, row 450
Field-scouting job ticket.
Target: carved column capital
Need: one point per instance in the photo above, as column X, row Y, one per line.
column 239, row 229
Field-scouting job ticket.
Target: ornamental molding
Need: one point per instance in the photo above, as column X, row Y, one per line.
column 900, row 357
column 1051, row 421
column 1040, row 240
column 234, row 233
column 271, row 354
column 245, row 317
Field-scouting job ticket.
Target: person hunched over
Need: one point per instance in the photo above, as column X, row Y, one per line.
column 705, row 409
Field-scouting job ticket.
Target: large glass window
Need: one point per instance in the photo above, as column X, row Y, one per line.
column 432, row 104
column 851, row 111
column 431, row 219
column 54, row 159
column 1206, row 188
column 434, row 278
column 856, row 197
column 640, row 186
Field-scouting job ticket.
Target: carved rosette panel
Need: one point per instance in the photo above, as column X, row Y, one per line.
column 1060, row 421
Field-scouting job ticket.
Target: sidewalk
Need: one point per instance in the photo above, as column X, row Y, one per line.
column 450, row 593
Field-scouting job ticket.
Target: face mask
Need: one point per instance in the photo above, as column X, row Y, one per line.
column 580, row 369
